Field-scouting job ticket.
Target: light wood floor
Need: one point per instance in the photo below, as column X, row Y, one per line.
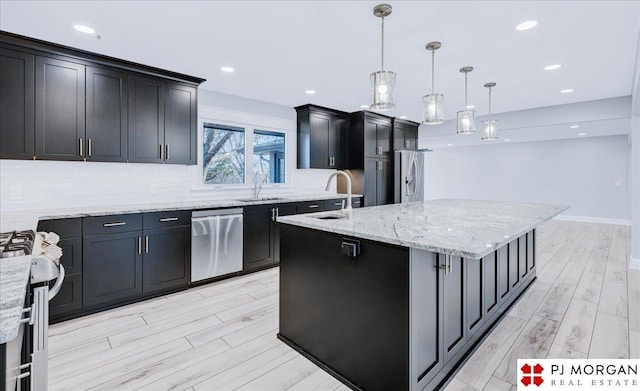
column 222, row 336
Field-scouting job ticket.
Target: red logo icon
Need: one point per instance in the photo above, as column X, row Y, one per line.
column 532, row 375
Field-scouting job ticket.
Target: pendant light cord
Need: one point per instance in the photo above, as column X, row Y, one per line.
column 465, row 90
column 489, row 103
column 382, row 60
column 433, row 71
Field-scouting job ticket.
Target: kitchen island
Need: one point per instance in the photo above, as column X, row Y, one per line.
column 398, row 296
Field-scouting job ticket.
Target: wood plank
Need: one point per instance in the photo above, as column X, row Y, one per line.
column 589, row 287
column 633, row 289
column 576, row 328
column 610, row 337
column 534, row 342
column 496, row 384
column 282, row 377
column 240, row 310
column 559, row 351
column 556, row 302
column 530, row 301
column 317, row 381
column 248, row 370
column 268, row 325
column 70, row 357
column 456, row 385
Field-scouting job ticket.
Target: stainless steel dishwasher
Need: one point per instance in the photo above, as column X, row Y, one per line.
column 216, row 243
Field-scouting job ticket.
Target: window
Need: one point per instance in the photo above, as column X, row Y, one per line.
column 269, row 156
column 223, row 154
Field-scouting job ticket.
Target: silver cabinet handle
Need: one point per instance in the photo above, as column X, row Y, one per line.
column 338, row 203
column 166, row 152
column 313, row 206
column 273, row 214
column 114, row 224
column 80, row 142
column 90, row 144
column 139, row 244
column 165, row 219
column 277, row 212
column 161, row 152
column 146, row 244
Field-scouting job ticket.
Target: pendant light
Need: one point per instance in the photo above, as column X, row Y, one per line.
column 490, row 126
column 466, row 117
column 383, row 83
column 433, row 104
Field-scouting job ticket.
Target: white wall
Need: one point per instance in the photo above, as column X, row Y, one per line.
column 590, row 174
column 26, row 184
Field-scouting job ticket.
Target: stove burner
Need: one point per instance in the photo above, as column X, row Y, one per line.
column 16, row 243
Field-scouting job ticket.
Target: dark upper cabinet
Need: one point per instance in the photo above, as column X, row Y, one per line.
column 146, row 120
column 106, row 122
column 60, row 109
column 405, row 134
column 322, row 141
column 369, row 136
column 180, row 132
column 17, row 86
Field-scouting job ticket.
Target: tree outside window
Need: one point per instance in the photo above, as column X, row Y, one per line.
column 269, row 156
column 223, row 154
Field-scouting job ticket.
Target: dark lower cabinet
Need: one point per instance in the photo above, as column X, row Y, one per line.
column 280, row 210
column 454, row 311
column 17, row 109
column 490, row 284
column 60, row 109
column 514, row 265
column 166, row 263
column 504, row 286
column 112, row 268
column 69, row 299
column 106, row 122
column 378, row 183
column 474, row 293
column 531, row 250
column 258, row 244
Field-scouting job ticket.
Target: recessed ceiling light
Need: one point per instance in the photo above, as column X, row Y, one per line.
column 507, row 140
column 582, row 134
column 364, row 106
column 449, row 145
column 227, row 69
column 568, row 90
column 552, row 67
column 469, row 107
column 574, row 126
column 310, row 92
column 84, row 29
column 403, row 116
column 529, row 24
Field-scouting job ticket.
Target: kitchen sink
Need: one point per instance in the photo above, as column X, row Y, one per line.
column 259, row 199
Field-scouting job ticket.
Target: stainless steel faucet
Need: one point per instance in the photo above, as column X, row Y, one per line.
column 348, row 210
column 258, row 181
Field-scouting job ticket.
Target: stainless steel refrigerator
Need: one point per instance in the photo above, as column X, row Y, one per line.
column 409, row 175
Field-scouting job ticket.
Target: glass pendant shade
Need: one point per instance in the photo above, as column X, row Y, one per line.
column 466, row 121
column 433, row 109
column 490, row 129
column 383, row 90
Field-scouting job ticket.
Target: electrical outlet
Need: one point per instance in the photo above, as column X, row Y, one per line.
column 15, row 192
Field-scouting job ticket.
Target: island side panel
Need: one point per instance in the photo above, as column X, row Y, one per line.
column 350, row 314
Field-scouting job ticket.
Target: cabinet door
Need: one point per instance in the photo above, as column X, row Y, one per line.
column 146, row 120
column 337, row 138
column 334, row 204
column 112, row 268
column 474, row 306
column 491, row 284
column 503, row 273
column 384, row 183
column 522, row 256
column 399, row 136
column 280, row 210
column 371, row 147
column 371, row 167
column 166, row 263
column 60, row 109
column 384, row 138
column 68, row 299
column 16, row 104
column 257, row 237
column 180, row 124
column 514, row 272
column 531, row 250
column 411, row 138
column 320, row 125
column 106, row 115
column 454, row 311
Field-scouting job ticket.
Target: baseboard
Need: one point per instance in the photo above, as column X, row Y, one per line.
column 634, row 263
column 598, row 220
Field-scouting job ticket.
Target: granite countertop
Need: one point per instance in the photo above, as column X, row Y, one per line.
column 14, row 280
column 467, row 228
column 28, row 219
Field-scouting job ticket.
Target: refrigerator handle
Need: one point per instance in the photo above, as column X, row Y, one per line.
column 410, row 179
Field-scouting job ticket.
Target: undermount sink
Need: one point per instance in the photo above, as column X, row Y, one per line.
column 329, row 217
column 260, row 199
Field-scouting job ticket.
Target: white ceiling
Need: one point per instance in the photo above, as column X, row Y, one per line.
column 282, row 48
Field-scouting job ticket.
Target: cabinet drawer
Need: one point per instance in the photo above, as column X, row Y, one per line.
column 356, row 202
column 334, row 204
column 65, row 228
column 111, row 224
column 167, row 219
column 310, row 206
